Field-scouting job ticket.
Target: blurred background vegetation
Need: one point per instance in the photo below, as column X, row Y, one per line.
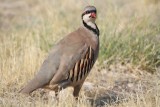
column 130, row 30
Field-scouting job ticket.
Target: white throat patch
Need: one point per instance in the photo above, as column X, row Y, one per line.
column 89, row 21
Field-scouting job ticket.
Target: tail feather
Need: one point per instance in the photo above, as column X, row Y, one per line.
column 33, row 85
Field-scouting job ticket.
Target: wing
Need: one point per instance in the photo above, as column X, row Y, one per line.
column 68, row 61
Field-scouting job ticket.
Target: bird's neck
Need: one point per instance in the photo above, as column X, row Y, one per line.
column 92, row 27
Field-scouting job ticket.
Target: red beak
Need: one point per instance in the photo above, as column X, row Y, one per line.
column 93, row 15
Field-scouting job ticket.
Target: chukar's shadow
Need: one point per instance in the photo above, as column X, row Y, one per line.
column 107, row 99
column 119, row 93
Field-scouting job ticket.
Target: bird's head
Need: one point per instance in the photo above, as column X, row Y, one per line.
column 89, row 14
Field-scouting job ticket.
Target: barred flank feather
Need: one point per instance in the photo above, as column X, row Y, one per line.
column 82, row 67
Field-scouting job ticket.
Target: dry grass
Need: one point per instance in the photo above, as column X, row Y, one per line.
column 130, row 34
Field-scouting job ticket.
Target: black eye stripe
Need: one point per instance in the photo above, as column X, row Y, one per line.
column 89, row 11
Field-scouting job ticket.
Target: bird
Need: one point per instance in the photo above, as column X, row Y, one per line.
column 70, row 61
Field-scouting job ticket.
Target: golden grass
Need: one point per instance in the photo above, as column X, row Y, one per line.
column 130, row 35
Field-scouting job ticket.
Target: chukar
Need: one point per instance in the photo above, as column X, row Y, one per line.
column 71, row 59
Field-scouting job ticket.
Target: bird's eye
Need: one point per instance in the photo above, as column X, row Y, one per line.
column 87, row 12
